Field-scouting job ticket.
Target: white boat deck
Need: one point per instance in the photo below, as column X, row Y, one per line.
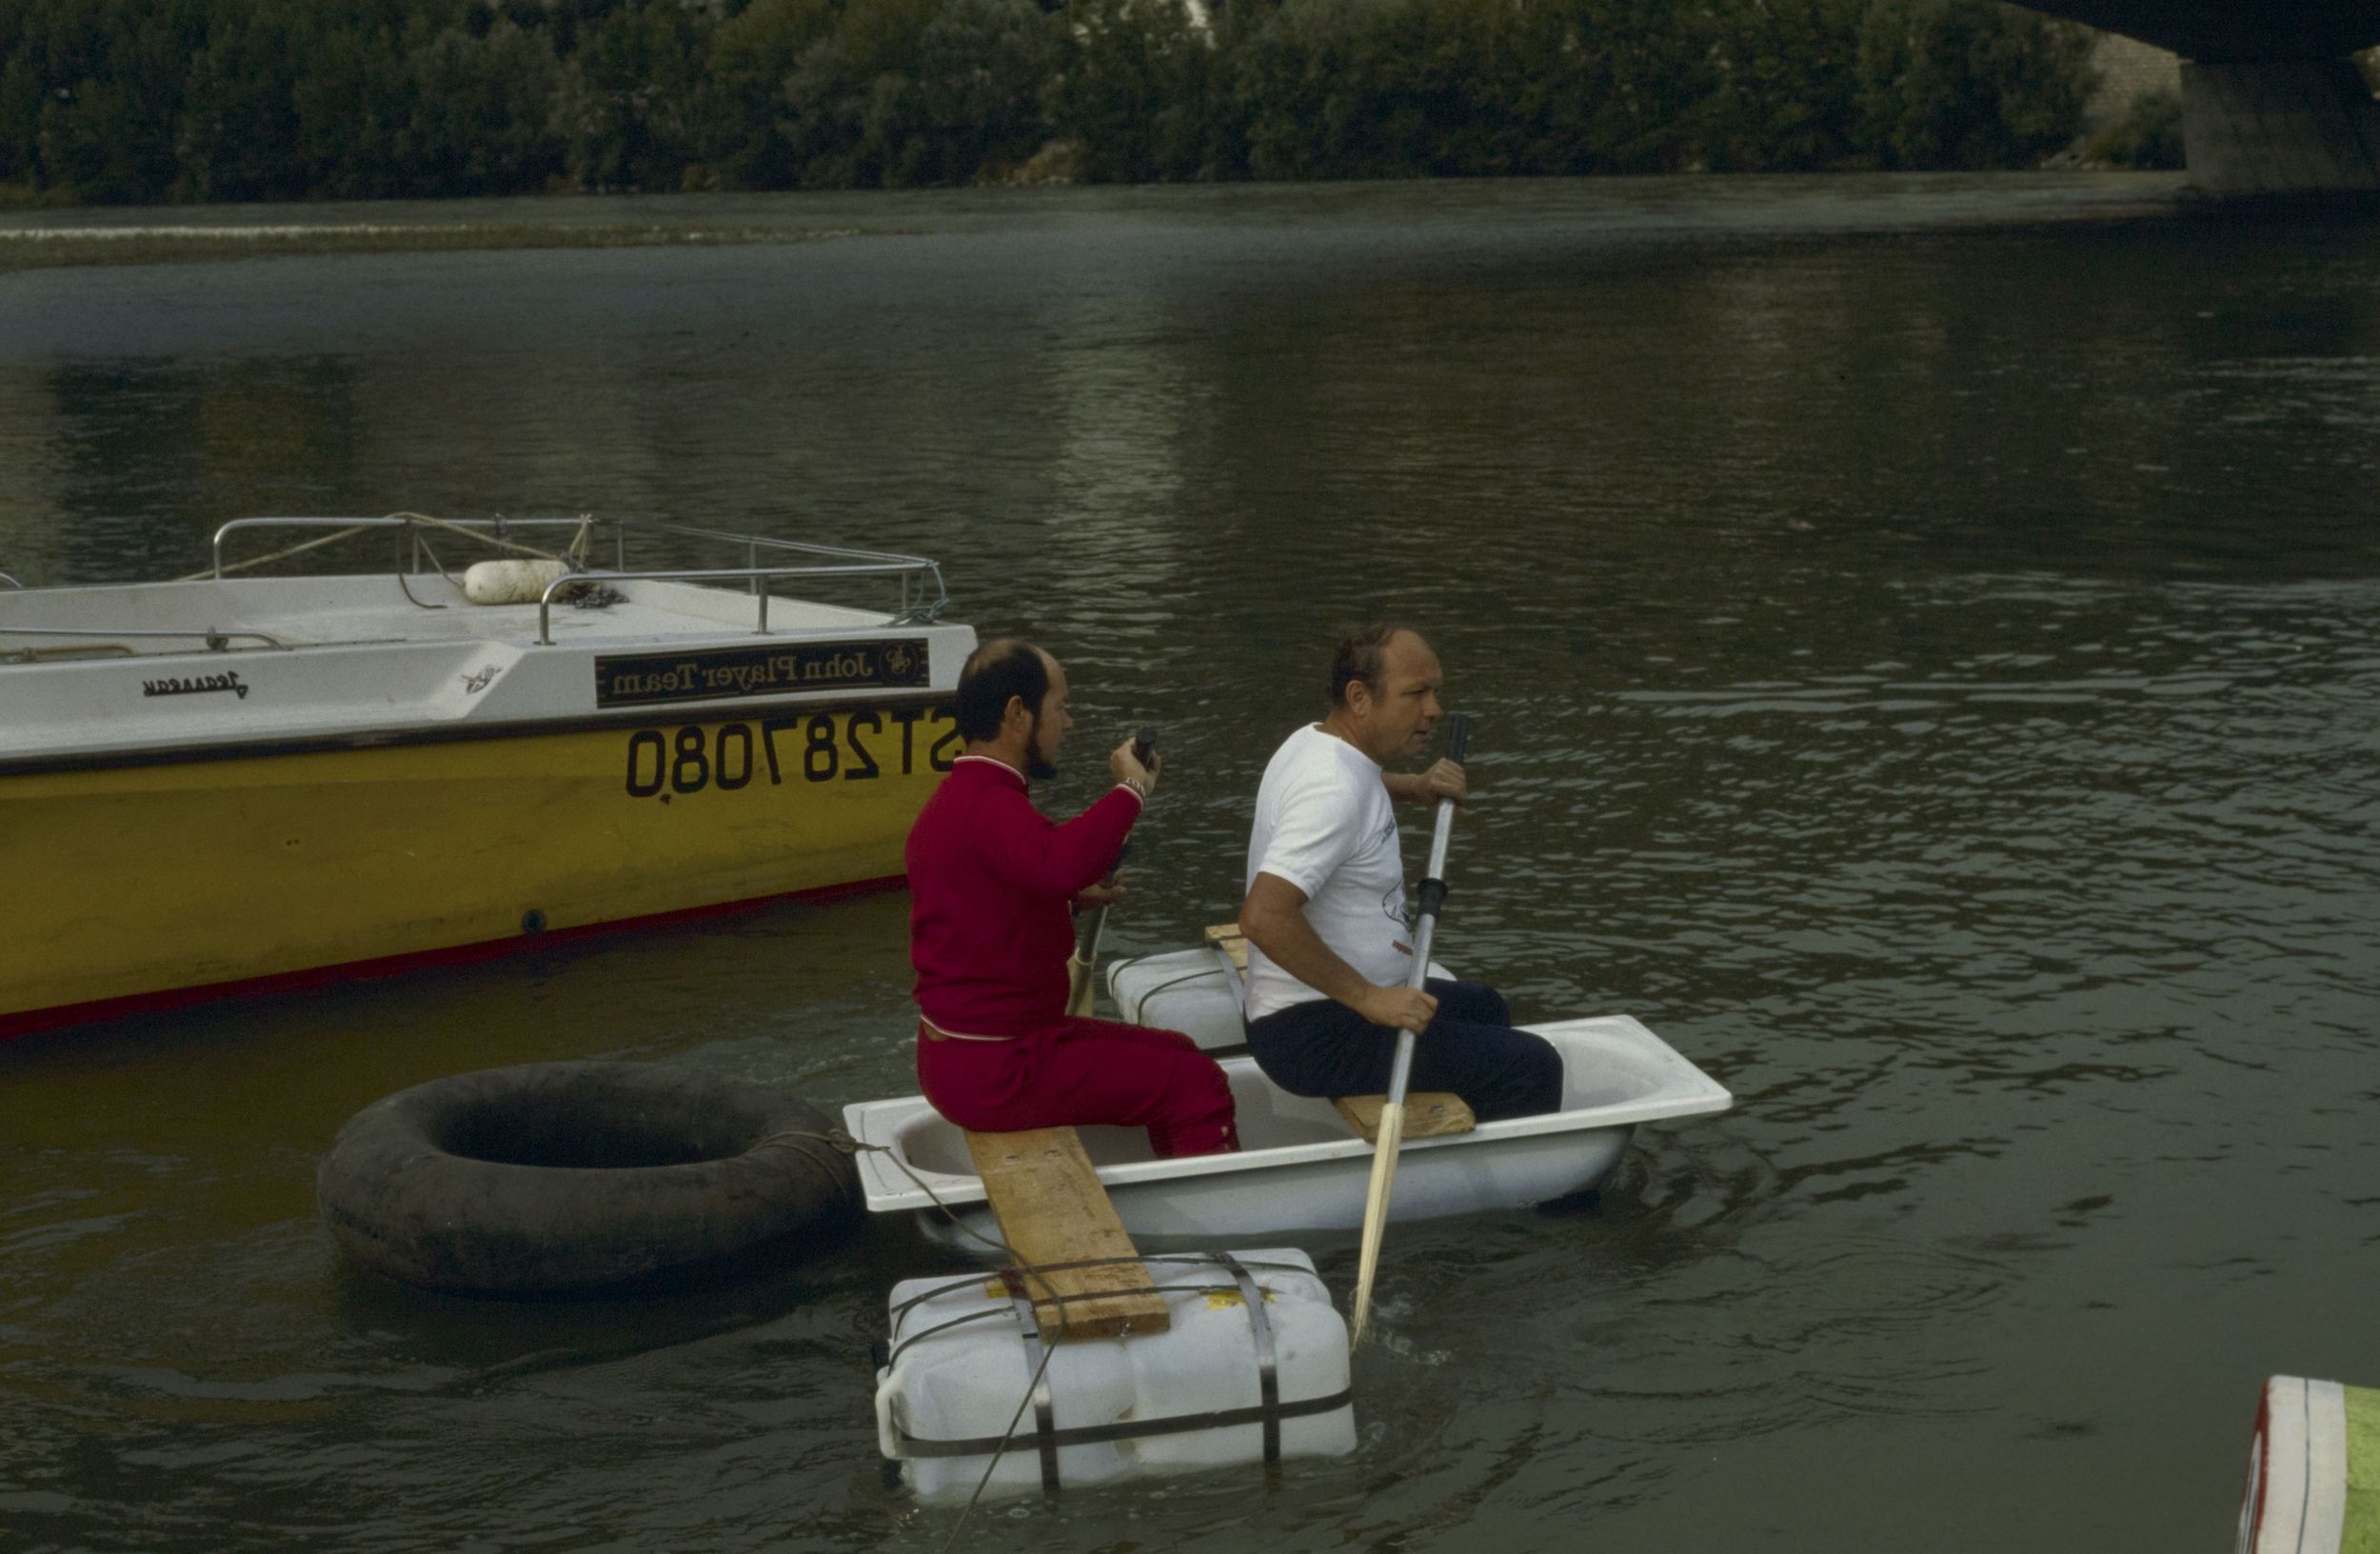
column 112, row 671
column 265, row 614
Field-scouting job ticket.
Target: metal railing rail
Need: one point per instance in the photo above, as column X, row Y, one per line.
column 497, row 528
column 923, row 594
column 758, row 576
column 216, row 641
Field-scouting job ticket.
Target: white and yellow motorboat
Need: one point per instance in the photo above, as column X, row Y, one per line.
column 229, row 783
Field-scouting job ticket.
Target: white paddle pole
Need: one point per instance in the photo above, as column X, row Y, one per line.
column 1391, row 1133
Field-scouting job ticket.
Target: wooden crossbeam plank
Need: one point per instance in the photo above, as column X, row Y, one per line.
column 1429, row 1114
column 1232, row 942
column 1052, row 1209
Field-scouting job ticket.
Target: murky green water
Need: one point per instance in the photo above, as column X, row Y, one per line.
column 1922, row 634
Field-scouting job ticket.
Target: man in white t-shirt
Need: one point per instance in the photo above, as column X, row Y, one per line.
column 1329, row 953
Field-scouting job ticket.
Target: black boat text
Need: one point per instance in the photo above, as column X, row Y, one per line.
column 816, row 747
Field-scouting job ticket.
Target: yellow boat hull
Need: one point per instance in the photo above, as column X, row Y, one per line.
column 154, row 883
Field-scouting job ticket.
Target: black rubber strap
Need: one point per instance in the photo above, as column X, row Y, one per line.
column 1267, row 1363
column 1045, row 1419
column 1085, row 1435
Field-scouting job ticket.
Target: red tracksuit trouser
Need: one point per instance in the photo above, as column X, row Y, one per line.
column 1083, row 1071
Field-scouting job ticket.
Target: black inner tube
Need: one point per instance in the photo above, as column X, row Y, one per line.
column 586, row 1133
column 565, row 1175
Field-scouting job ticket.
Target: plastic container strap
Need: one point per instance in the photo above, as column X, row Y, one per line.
column 1267, row 1367
column 1044, row 1419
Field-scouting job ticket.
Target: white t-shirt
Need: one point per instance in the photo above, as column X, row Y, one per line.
column 1324, row 823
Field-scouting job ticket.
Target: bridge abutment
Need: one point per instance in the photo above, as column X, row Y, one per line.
column 2280, row 128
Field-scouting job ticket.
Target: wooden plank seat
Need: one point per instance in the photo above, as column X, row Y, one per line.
column 1429, row 1114
column 1052, row 1209
column 1227, row 938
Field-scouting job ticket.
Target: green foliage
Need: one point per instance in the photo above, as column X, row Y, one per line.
column 238, row 132
column 755, row 52
column 635, row 101
column 1404, row 88
column 103, row 83
column 1953, row 84
column 121, row 100
column 1137, row 90
column 975, row 103
column 1788, row 90
column 486, row 116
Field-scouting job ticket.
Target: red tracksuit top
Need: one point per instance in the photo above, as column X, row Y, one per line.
column 990, row 880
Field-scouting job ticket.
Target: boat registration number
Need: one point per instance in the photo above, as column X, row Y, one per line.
column 790, row 748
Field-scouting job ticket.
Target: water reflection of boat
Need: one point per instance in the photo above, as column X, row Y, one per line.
column 1299, row 1166
column 226, row 783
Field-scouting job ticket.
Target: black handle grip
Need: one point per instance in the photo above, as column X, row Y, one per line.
column 1144, row 745
column 1458, row 735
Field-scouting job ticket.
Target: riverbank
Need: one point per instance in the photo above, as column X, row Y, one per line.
column 1742, row 206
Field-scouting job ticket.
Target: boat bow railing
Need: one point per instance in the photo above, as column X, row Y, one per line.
column 758, row 577
column 217, row 641
column 922, row 595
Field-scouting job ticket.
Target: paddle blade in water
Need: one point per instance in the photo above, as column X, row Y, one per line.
column 1376, row 1213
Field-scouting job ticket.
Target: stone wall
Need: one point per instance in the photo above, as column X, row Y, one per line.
column 2128, row 68
column 2288, row 127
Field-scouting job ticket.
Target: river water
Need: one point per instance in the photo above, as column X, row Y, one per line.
column 1922, row 637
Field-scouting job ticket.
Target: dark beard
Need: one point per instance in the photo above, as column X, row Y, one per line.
column 1035, row 767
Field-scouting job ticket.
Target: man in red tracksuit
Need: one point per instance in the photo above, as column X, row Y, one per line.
column 991, row 880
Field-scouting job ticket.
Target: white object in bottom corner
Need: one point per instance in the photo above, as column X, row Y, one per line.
column 964, row 1352
column 2298, row 1472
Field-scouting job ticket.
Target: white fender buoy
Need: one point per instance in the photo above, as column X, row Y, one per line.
column 511, row 582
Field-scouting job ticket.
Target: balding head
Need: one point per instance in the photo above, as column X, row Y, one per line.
column 1004, row 668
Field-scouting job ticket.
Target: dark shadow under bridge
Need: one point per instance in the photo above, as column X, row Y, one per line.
column 2272, row 103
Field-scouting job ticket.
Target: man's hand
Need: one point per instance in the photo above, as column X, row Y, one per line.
column 1399, row 1009
column 1445, row 780
column 1106, row 893
column 1127, row 767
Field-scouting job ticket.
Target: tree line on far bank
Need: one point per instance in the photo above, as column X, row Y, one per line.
column 157, row 100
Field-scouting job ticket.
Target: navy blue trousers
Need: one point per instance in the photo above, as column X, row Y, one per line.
column 1325, row 1049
